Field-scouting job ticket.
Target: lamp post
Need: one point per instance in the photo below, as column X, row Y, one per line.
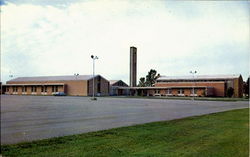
column 76, row 75
column 193, row 72
column 10, row 75
column 94, row 58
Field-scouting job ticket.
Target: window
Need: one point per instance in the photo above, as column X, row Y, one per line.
column 24, row 89
column 180, row 91
column 157, row 91
column 54, row 88
column 33, row 89
column 99, row 88
column 169, row 91
column 14, row 89
column 195, row 91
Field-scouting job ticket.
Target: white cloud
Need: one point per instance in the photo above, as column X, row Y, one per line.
column 48, row 40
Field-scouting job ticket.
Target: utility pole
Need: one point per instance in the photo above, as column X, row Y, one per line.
column 193, row 72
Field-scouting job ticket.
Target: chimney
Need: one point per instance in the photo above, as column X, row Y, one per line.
column 133, row 62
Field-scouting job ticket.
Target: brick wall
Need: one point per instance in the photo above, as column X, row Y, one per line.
column 104, row 86
column 219, row 87
column 75, row 87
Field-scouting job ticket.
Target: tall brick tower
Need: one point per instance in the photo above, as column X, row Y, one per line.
column 133, row 64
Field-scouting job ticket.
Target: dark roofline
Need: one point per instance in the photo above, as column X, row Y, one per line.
column 114, row 81
column 59, row 79
column 117, row 81
column 34, row 84
column 100, row 76
column 199, row 77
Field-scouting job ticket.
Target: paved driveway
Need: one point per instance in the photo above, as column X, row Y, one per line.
column 26, row 118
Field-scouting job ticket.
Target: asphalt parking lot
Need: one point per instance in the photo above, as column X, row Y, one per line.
column 27, row 118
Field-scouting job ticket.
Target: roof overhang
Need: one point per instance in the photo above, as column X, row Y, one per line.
column 199, row 77
column 36, row 84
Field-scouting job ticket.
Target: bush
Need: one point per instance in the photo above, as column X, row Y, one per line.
column 230, row 92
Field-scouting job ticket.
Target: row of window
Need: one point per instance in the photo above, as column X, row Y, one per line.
column 180, row 91
column 33, row 89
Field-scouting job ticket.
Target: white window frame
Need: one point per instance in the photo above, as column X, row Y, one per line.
column 180, row 92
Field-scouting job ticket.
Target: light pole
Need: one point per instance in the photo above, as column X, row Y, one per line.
column 10, row 75
column 193, row 72
column 76, row 75
column 94, row 58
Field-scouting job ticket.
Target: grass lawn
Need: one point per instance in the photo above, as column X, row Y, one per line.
column 224, row 134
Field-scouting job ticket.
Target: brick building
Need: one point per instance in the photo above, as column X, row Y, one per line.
column 80, row 85
column 200, row 86
column 115, row 89
column 204, row 85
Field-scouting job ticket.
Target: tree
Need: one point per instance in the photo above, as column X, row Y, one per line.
column 230, row 92
column 246, row 87
column 150, row 79
column 142, row 82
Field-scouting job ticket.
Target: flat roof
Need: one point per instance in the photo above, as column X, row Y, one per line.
column 53, row 78
column 34, row 84
column 199, row 77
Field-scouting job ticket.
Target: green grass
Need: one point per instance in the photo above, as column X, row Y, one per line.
column 224, row 134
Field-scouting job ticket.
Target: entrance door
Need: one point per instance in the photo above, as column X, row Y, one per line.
column 120, row 92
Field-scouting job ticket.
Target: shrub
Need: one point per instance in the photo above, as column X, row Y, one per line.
column 230, row 92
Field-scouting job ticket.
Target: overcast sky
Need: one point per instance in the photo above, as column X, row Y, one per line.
column 45, row 37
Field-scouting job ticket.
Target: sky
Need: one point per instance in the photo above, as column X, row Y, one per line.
column 50, row 38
